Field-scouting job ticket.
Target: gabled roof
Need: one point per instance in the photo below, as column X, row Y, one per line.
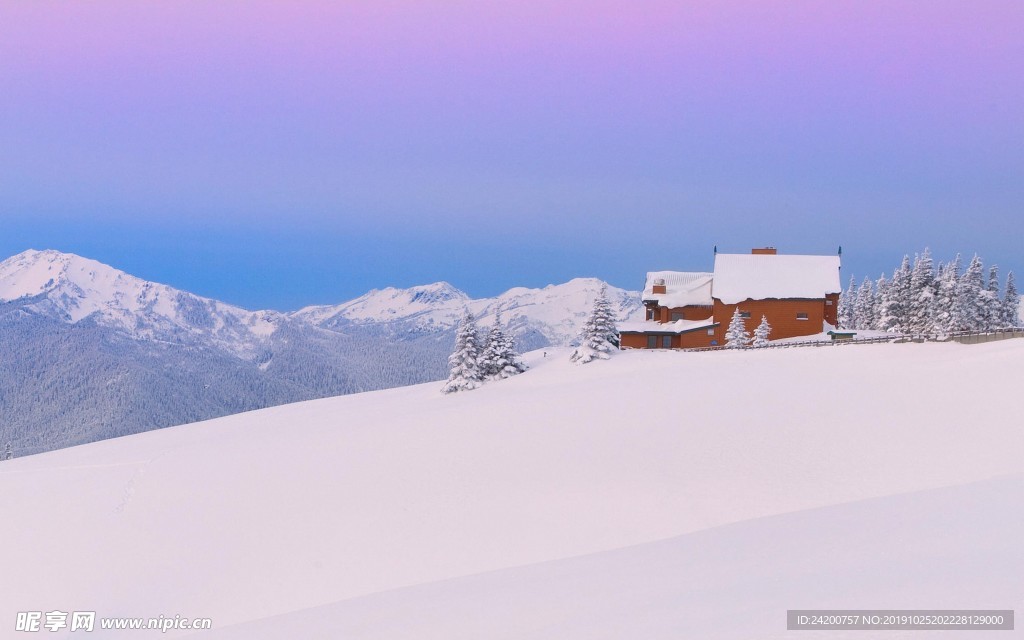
column 742, row 276
column 682, row 288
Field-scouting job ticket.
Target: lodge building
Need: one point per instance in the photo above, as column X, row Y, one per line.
column 798, row 294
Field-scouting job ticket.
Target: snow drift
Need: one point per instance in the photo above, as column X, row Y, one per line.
column 657, row 494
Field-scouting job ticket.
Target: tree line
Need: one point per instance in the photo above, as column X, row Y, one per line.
column 922, row 297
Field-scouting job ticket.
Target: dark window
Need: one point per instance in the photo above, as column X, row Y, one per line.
column 744, row 314
column 650, row 314
column 801, row 316
column 666, row 342
column 652, row 342
column 677, row 316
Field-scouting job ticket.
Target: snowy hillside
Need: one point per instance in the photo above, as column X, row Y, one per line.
column 650, row 496
column 556, row 312
column 71, row 288
column 89, row 352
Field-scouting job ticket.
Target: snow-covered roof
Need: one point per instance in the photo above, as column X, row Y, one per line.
column 742, row 276
column 682, row 288
column 650, row 326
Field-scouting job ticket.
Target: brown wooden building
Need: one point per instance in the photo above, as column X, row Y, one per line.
column 798, row 294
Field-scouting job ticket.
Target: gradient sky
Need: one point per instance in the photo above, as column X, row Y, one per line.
column 277, row 154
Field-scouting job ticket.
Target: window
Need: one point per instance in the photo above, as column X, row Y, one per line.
column 828, row 303
column 650, row 314
column 801, row 316
column 652, row 342
column 711, row 331
column 744, row 314
column 677, row 316
column 666, row 342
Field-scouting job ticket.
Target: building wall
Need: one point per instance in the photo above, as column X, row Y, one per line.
column 688, row 340
column 781, row 314
column 664, row 314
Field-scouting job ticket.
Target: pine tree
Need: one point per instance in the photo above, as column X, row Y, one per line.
column 881, row 291
column 970, row 311
column 499, row 359
column 921, row 302
column 762, row 332
column 895, row 304
column 864, row 311
column 992, row 306
column 946, row 290
column 737, row 337
column 463, row 363
column 8, row 452
column 1011, row 303
column 847, row 306
column 600, row 337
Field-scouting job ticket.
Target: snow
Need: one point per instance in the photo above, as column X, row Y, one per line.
column 74, row 288
column 682, row 288
column 551, row 504
column 740, row 277
column 677, row 326
column 557, row 311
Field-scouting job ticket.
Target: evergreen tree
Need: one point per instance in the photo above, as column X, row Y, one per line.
column 991, row 304
column 463, row 363
column 600, row 337
column 970, row 310
column 8, row 452
column 737, row 337
column 847, row 306
column 864, row 311
column 1011, row 303
column 895, row 315
column 881, row 291
column 921, row 302
column 762, row 332
column 945, row 302
column 499, row 359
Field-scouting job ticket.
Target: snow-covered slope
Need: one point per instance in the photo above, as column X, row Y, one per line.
column 387, row 510
column 72, row 288
column 556, row 312
column 89, row 352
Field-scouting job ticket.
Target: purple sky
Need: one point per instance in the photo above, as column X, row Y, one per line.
column 276, row 154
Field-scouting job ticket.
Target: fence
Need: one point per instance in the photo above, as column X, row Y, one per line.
column 963, row 337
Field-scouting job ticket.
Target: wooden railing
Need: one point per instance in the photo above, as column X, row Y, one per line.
column 963, row 337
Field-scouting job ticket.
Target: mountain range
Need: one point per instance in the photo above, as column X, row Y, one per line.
column 89, row 352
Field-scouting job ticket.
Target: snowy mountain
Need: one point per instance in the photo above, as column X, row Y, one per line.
column 90, row 352
column 72, row 289
column 549, row 506
column 538, row 317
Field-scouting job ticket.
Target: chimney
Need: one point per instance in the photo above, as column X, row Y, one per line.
column 659, row 286
column 766, row 251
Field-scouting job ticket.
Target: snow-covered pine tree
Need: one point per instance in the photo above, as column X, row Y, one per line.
column 945, row 299
column 499, row 359
column 895, row 304
column 864, row 310
column 992, row 305
column 881, row 291
column 847, row 306
column 1011, row 302
column 737, row 337
column 762, row 332
column 970, row 304
column 921, row 305
column 464, row 361
column 600, row 337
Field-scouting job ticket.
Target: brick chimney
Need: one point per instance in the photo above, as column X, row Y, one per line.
column 658, row 286
column 766, row 251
